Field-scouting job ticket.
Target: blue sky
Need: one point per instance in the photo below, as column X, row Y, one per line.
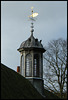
column 51, row 24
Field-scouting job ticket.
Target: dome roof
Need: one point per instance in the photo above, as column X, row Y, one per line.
column 31, row 42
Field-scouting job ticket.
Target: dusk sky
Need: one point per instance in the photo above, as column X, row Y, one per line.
column 51, row 24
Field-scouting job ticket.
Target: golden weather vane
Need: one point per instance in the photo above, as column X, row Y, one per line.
column 33, row 14
column 31, row 17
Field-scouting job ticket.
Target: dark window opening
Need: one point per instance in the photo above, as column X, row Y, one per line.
column 36, row 42
column 36, row 65
column 29, row 40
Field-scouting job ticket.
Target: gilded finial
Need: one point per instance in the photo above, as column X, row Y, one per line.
column 31, row 17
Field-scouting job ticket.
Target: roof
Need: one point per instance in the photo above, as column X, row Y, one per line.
column 15, row 86
column 31, row 42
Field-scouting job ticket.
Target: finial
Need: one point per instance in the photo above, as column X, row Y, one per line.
column 32, row 9
column 31, row 34
column 31, row 17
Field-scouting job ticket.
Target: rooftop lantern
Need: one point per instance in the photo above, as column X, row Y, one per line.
column 31, row 58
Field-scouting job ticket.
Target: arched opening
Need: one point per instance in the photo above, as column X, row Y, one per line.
column 36, row 65
column 22, row 70
column 28, row 65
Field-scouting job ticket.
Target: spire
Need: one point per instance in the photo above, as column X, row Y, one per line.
column 31, row 17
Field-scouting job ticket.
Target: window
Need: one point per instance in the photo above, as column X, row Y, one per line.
column 28, row 65
column 22, row 70
column 36, row 65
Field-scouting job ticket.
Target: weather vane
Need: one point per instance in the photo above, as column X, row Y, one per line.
column 32, row 18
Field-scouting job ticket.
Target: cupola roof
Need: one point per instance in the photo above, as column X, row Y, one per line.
column 30, row 43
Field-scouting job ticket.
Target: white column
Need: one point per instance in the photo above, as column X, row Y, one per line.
column 20, row 64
